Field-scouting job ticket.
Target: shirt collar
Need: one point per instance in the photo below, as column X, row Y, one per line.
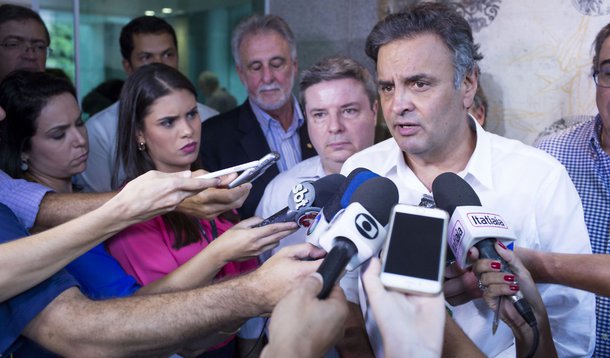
column 268, row 123
column 479, row 166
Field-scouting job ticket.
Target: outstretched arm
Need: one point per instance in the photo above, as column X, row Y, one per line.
column 589, row 272
column 35, row 258
column 160, row 324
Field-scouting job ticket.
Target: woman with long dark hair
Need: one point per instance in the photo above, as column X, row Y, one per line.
column 159, row 128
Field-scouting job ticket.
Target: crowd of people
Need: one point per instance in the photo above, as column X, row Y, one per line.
column 112, row 244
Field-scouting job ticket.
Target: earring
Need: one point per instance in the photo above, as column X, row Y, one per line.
column 141, row 146
column 24, row 165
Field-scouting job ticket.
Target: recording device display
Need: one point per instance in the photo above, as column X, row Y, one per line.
column 414, row 253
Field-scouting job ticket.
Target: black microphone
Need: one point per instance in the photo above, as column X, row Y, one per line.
column 337, row 202
column 305, row 201
column 451, row 191
column 357, row 232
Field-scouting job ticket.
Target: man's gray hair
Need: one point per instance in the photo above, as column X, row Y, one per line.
column 337, row 68
column 602, row 35
column 429, row 18
column 257, row 24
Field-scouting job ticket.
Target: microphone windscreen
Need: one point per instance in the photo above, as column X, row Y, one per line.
column 326, row 187
column 377, row 195
column 450, row 191
column 342, row 197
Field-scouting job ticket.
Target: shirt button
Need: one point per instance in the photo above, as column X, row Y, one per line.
column 604, row 336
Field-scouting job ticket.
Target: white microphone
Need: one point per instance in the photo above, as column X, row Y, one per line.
column 357, row 232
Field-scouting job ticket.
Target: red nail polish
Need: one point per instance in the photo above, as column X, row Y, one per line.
column 514, row 287
column 495, row 265
column 502, row 245
column 468, row 253
column 509, row 278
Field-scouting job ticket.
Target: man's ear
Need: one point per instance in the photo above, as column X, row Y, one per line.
column 241, row 74
column 127, row 67
column 469, row 87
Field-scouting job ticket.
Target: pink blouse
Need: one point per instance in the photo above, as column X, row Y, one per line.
column 146, row 251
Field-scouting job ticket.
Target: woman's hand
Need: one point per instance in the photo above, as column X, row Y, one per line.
column 497, row 283
column 243, row 242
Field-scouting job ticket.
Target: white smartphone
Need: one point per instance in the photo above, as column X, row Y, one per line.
column 252, row 173
column 235, row 169
column 413, row 258
column 250, row 170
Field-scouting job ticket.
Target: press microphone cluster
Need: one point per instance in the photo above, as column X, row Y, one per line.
column 356, row 231
column 470, row 225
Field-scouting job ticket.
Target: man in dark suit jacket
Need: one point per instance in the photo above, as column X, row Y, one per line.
column 235, row 137
column 264, row 50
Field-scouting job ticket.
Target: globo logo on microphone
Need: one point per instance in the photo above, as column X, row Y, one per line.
column 366, row 226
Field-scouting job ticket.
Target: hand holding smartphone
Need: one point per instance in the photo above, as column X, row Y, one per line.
column 414, row 253
column 251, row 170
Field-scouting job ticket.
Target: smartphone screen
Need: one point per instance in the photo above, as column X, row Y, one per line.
column 415, row 246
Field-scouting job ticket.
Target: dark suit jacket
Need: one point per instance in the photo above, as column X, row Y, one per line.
column 234, row 138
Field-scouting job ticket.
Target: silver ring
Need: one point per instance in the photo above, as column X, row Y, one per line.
column 482, row 287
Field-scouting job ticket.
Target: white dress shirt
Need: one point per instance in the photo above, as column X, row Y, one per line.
column 533, row 192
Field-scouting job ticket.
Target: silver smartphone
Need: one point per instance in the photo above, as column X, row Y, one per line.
column 252, row 173
column 413, row 259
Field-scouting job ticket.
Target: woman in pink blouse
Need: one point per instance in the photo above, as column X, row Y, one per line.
column 159, row 128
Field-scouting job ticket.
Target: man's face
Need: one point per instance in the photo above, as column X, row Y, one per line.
column 340, row 120
column 602, row 94
column 425, row 114
column 267, row 70
column 151, row 48
column 23, row 46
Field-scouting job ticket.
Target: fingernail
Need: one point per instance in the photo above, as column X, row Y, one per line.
column 495, row 265
column 509, row 278
column 514, row 287
column 502, row 245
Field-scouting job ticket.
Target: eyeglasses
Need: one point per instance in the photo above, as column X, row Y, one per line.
column 38, row 47
column 602, row 78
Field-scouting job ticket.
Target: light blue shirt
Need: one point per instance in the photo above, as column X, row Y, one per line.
column 287, row 143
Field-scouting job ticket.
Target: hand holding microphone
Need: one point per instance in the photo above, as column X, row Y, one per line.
column 454, row 195
column 499, row 283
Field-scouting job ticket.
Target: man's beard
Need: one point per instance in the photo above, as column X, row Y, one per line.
column 284, row 98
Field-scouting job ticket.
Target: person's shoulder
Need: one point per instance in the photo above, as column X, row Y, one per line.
column 374, row 156
column 100, row 119
column 567, row 139
column 530, row 159
column 226, row 119
column 206, row 112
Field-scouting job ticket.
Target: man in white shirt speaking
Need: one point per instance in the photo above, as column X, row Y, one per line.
column 427, row 77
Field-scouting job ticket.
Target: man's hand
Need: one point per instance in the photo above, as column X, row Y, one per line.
column 410, row 325
column 155, row 193
column 243, row 242
column 302, row 324
column 461, row 286
column 210, row 203
column 282, row 271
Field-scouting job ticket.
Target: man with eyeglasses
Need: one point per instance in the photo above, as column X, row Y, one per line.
column 24, row 40
column 584, row 150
